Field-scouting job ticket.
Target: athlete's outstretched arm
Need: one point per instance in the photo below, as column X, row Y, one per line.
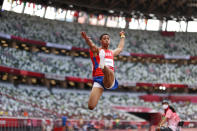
column 120, row 47
column 90, row 43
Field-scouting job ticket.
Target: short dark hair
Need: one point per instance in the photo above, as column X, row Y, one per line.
column 172, row 108
column 103, row 35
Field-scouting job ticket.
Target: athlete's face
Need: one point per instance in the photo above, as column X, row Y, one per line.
column 105, row 41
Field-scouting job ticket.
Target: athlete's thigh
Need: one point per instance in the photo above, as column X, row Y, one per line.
column 95, row 95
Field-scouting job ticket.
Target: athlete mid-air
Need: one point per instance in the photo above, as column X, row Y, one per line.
column 103, row 66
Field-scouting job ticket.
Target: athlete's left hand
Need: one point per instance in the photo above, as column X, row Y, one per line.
column 122, row 33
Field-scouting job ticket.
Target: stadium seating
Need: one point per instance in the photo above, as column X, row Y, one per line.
column 81, row 67
column 19, row 99
column 73, row 103
column 39, row 102
column 147, row 42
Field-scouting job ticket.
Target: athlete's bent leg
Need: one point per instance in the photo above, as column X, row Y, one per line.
column 94, row 97
column 109, row 78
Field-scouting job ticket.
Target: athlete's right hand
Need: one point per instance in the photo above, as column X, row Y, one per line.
column 84, row 35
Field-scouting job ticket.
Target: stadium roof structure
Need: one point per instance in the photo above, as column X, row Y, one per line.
column 159, row 9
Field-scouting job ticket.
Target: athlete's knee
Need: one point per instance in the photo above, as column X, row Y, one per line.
column 108, row 70
column 91, row 107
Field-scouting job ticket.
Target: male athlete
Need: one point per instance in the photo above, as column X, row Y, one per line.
column 103, row 66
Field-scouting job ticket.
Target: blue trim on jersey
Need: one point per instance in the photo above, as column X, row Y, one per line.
column 99, row 79
column 95, row 62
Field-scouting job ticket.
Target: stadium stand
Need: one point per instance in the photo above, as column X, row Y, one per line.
column 34, row 103
column 39, row 101
column 73, row 103
column 147, row 42
column 81, row 67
